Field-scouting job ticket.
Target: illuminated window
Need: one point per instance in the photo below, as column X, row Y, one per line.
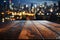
column 35, row 5
column 57, row 13
column 51, row 10
column 47, row 13
column 4, row 0
column 3, row 19
column 26, row 5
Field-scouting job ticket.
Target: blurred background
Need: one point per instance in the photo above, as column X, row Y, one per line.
column 11, row 10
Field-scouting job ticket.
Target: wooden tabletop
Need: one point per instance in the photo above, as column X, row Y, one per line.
column 31, row 30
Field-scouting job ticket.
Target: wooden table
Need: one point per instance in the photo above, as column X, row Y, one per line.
column 31, row 30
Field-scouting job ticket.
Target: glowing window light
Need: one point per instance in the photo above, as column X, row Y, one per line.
column 38, row 13
column 2, row 13
column 4, row 0
column 51, row 10
column 22, row 7
column 23, row 12
column 42, row 13
column 13, row 14
column 32, row 10
column 35, row 5
column 2, row 19
column 20, row 17
column 17, row 17
column 32, row 7
column 57, row 13
column 47, row 13
column 42, row 5
column 26, row 5
column 20, row 14
column 37, row 9
column 6, row 18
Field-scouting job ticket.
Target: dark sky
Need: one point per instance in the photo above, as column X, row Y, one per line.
column 32, row 1
column 29, row 1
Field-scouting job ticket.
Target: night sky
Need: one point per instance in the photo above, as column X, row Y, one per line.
column 32, row 1
column 17, row 2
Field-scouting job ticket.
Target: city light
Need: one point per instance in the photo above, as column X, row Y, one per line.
column 24, row 12
column 17, row 17
column 40, row 12
column 7, row 18
column 2, row 19
column 51, row 10
column 57, row 13
column 20, row 17
column 26, row 5
column 20, row 14
column 2, row 13
column 35, row 5
column 22, row 7
column 47, row 13
column 32, row 7
column 13, row 13
column 42, row 5
column 12, row 10
column 4, row 0
column 12, row 16
column 37, row 9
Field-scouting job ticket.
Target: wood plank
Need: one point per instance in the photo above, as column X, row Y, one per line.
column 30, row 32
column 47, row 33
column 52, row 27
column 8, row 26
column 52, row 23
column 14, row 31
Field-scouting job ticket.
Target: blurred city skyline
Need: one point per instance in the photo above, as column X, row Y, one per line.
column 29, row 10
